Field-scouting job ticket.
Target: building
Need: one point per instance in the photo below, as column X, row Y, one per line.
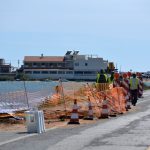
column 72, row 66
column 4, row 68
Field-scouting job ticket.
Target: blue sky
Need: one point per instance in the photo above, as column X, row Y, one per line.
column 117, row 30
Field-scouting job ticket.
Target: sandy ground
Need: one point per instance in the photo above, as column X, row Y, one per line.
column 21, row 127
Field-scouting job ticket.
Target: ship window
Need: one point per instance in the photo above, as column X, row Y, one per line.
column 28, row 64
column 69, row 72
column 44, row 72
column 53, row 72
column 28, row 72
column 36, row 72
column 86, row 64
column 61, row 72
column 90, row 72
column 78, row 72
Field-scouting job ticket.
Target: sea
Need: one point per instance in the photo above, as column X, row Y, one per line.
column 147, row 83
column 22, row 95
column 29, row 86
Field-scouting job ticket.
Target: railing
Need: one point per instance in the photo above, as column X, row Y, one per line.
column 102, row 86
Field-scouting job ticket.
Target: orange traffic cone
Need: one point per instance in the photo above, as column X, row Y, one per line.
column 90, row 111
column 74, row 115
column 105, row 111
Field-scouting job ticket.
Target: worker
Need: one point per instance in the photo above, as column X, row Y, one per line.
column 98, row 76
column 134, row 86
column 111, row 78
column 101, row 78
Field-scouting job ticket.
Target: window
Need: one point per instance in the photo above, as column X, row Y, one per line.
column 28, row 64
column 52, row 65
column 78, row 72
column 38, row 64
column 61, row 72
column 44, row 72
column 28, row 72
column 69, row 72
column 86, row 64
column 34, row 64
column 90, row 72
column 36, row 72
column 43, row 64
column 53, row 72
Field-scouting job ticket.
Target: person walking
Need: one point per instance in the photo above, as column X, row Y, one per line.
column 134, row 86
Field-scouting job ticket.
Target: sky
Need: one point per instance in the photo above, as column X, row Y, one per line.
column 117, row 30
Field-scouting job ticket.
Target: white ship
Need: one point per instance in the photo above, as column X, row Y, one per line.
column 72, row 66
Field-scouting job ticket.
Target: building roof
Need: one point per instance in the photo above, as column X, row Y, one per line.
column 43, row 59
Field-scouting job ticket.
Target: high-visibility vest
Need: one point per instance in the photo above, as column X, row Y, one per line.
column 110, row 80
column 98, row 78
column 106, row 77
column 134, row 82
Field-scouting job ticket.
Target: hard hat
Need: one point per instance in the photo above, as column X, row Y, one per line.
column 129, row 74
column 116, row 75
column 124, row 75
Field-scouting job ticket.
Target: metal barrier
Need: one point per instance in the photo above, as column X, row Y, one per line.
column 102, row 86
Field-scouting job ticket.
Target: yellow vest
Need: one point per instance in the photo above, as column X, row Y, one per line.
column 98, row 77
column 134, row 82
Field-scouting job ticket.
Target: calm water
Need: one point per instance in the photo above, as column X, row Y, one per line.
column 31, row 86
column 147, row 83
column 13, row 96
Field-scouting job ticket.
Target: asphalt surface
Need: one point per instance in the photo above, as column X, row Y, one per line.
column 130, row 131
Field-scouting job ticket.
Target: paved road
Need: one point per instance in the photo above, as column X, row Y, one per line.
column 127, row 132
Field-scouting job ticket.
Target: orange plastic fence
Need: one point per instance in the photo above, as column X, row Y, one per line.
column 60, row 104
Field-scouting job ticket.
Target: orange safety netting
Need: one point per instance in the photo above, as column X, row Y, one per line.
column 60, row 104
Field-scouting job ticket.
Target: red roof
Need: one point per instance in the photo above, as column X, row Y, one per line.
column 43, row 59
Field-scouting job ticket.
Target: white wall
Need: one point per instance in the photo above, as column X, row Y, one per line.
column 93, row 64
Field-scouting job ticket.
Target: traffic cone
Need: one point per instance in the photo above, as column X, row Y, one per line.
column 128, row 106
column 90, row 111
column 104, row 113
column 74, row 115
